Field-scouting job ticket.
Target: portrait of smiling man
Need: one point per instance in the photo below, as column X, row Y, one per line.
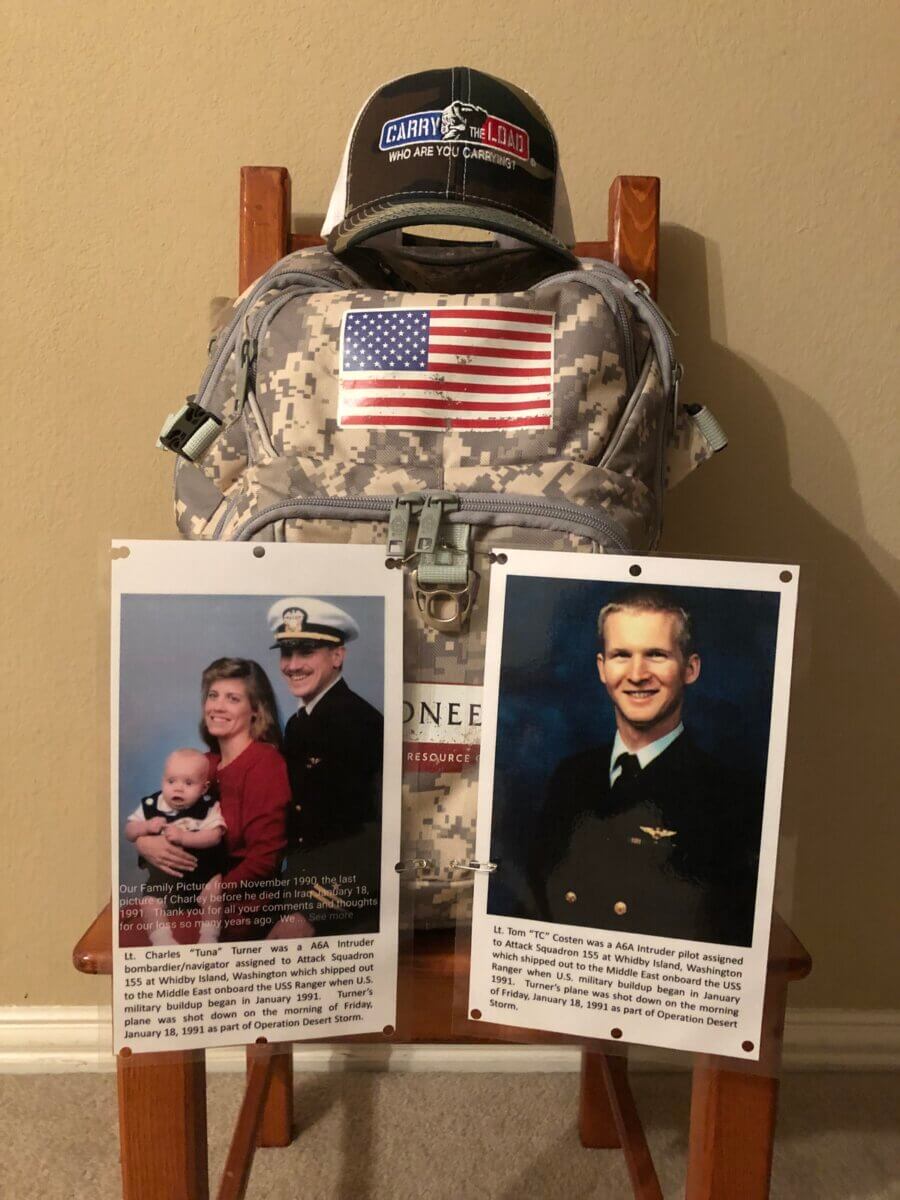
column 333, row 745
column 650, row 834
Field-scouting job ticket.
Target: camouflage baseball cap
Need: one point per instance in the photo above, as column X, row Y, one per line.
column 450, row 146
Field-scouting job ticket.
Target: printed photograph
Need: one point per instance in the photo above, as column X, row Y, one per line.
column 250, row 766
column 630, row 757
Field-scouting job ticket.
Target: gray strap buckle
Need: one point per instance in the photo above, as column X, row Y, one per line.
column 189, row 432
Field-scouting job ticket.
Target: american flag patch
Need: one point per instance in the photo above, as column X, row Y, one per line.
column 446, row 368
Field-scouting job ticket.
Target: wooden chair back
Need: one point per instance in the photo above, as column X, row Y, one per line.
column 632, row 239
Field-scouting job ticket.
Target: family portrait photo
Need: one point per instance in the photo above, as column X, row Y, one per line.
column 250, row 766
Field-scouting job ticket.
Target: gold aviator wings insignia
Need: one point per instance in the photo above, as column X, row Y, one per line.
column 656, row 833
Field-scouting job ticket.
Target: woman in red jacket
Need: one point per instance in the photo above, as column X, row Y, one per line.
column 240, row 725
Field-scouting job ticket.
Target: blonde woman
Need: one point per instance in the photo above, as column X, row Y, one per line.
column 240, row 725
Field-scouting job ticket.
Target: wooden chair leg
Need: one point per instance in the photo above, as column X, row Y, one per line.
column 246, row 1136
column 162, row 1125
column 733, row 1114
column 732, row 1135
column 596, row 1123
column 608, row 1118
column 641, row 1171
column 276, row 1127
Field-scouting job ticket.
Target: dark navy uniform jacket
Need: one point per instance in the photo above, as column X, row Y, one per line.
column 672, row 853
column 334, row 757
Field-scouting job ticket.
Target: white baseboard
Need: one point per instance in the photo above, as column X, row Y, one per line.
column 62, row 1039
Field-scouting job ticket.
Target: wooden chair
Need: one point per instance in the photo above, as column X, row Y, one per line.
column 162, row 1097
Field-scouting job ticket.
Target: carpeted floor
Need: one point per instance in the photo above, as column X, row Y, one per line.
column 393, row 1136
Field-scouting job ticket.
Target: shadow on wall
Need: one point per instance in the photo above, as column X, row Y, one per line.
column 842, row 750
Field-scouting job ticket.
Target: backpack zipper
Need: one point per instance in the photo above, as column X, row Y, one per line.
column 588, row 522
column 638, row 295
column 467, row 508
column 247, row 357
column 229, row 343
column 619, row 310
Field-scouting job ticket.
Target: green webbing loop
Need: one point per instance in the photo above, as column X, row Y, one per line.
column 448, row 562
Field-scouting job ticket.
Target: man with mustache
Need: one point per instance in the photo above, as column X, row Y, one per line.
column 649, row 835
column 333, row 745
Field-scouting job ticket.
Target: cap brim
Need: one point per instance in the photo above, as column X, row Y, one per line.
column 370, row 219
column 308, row 643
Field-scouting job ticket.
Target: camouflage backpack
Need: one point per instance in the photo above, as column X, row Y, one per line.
column 442, row 424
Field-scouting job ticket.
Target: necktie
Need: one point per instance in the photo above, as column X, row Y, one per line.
column 298, row 732
column 630, row 768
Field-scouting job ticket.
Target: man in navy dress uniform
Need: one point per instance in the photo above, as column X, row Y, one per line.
column 650, row 834
column 333, row 746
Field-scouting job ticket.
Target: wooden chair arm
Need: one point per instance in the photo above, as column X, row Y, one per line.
column 93, row 952
column 786, row 952
column 427, row 1001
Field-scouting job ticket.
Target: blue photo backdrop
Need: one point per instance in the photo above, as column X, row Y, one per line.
column 553, row 704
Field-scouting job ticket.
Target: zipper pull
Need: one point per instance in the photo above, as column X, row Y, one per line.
column 643, row 288
column 444, row 583
column 245, row 355
column 398, row 524
column 677, row 376
column 447, row 604
column 430, row 519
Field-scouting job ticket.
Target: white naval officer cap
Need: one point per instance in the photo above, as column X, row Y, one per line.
column 310, row 623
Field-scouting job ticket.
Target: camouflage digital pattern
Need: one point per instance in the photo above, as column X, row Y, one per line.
column 609, row 448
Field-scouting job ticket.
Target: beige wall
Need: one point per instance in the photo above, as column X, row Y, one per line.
column 124, row 126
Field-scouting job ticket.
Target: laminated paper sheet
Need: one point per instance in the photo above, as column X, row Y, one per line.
column 255, row 808
column 631, row 897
